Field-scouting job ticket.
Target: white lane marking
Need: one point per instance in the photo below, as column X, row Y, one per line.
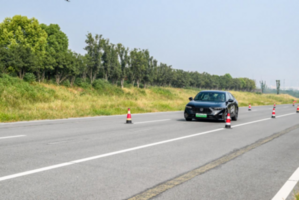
column 101, row 156
column 286, row 115
column 287, row 188
column 263, row 120
column 162, row 120
column 114, row 153
column 9, row 137
column 251, row 122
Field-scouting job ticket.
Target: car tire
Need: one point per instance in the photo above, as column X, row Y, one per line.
column 236, row 114
column 187, row 118
column 224, row 116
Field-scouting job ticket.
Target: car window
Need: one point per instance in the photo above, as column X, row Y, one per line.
column 210, row 96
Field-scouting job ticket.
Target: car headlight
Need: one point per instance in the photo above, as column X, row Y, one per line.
column 218, row 108
column 188, row 107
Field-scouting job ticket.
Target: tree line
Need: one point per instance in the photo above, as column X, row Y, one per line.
column 27, row 47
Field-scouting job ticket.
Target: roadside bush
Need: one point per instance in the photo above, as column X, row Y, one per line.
column 66, row 83
column 105, row 88
column 163, row 92
column 127, row 84
column 29, row 77
column 81, row 83
column 15, row 92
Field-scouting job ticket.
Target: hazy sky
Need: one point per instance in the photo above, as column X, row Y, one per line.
column 246, row 38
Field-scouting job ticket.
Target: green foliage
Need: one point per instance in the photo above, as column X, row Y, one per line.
column 66, row 83
column 19, row 30
column 28, row 47
column 29, row 77
column 57, row 40
column 15, row 92
column 81, row 83
column 105, row 88
column 163, row 92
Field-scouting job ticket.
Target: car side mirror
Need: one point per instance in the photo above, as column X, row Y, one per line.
column 230, row 100
column 191, row 98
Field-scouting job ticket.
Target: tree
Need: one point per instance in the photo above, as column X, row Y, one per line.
column 66, row 67
column 94, row 50
column 115, row 66
column 57, row 44
column 278, row 86
column 25, row 37
column 263, row 86
column 23, row 60
column 20, row 30
column 6, row 59
column 76, row 66
column 124, row 58
column 149, row 69
column 138, row 65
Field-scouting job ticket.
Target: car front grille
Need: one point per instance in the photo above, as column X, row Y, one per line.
column 202, row 110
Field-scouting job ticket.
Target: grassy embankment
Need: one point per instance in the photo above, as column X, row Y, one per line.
column 20, row 100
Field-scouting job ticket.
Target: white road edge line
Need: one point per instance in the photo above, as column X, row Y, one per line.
column 152, row 121
column 287, row 188
column 9, row 137
column 115, row 153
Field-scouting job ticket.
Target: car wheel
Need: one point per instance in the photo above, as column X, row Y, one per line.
column 224, row 116
column 236, row 114
column 187, row 118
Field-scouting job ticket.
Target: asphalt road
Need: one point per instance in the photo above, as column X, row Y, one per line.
column 160, row 156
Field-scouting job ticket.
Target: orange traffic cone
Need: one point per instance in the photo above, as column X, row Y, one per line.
column 293, row 103
column 274, row 105
column 227, row 123
column 297, row 109
column 129, row 120
column 273, row 113
column 249, row 107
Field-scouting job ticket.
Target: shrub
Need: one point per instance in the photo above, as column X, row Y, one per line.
column 105, row 88
column 127, row 84
column 29, row 77
column 163, row 92
column 81, row 83
column 66, row 83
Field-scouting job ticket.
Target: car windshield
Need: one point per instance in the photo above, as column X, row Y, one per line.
column 210, row 96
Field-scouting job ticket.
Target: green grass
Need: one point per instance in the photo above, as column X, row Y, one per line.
column 21, row 101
